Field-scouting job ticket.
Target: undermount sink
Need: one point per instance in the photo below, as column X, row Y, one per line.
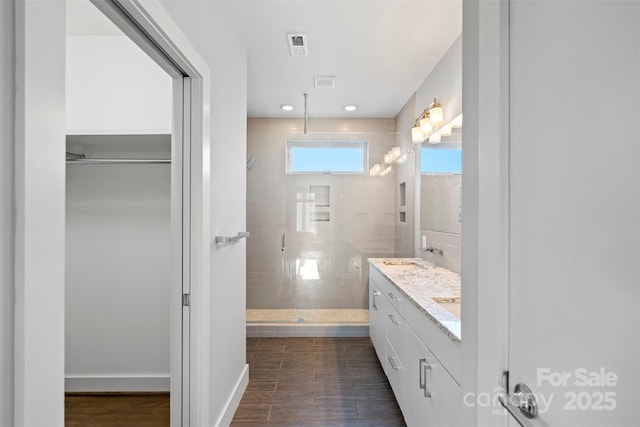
column 401, row 264
column 452, row 305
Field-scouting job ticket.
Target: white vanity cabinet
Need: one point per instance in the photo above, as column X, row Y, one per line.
column 377, row 327
column 427, row 393
column 430, row 395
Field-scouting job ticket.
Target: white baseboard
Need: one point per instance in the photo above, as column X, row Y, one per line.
column 234, row 399
column 115, row 384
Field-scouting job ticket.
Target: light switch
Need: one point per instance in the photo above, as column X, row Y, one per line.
column 424, row 242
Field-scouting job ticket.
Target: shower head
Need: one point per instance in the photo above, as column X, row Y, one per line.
column 251, row 162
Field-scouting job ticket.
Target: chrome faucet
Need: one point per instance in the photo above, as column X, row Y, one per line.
column 434, row 250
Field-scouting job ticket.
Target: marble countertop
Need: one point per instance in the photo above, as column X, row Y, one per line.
column 423, row 283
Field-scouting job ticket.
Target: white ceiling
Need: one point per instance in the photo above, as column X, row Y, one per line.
column 380, row 51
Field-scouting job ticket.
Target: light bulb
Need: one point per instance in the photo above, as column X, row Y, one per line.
column 435, row 138
column 426, row 126
column 397, row 152
column 457, row 122
column 437, row 117
column 417, row 136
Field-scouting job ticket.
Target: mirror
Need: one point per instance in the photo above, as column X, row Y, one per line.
column 441, row 185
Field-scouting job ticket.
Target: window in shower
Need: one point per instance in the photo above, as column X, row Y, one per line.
column 342, row 157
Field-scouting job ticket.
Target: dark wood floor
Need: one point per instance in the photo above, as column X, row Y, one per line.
column 117, row 410
column 316, row 382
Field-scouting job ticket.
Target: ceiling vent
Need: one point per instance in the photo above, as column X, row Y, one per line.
column 298, row 44
column 324, row 82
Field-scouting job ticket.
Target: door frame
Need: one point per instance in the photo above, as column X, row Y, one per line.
column 485, row 200
column 39, row 205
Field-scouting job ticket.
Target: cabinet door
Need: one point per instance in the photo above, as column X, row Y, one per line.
column 395, row 372
column 377, row 325
column 430, row 395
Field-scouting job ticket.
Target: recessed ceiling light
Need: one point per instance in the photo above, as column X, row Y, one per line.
column 287, row 107
column 350, row 107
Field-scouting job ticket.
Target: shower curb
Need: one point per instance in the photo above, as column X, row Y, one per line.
column 263, row 330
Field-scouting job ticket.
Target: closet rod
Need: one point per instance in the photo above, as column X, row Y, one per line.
column 118, row 161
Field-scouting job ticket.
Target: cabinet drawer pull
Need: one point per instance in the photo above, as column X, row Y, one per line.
column 423, row 368
column 392, row 362
column 373, row 303
column 393, row 320
column 393, row 298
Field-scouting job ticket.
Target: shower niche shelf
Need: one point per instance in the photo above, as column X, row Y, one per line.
column 321, row 216
column 321, row 202
column 403, row 202
column 321, row 195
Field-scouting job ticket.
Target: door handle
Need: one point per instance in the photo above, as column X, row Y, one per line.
column 522, row 404
column 282, row 242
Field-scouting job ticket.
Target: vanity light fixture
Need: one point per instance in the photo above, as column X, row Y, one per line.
column 350, row 107
column 286, row 107
column 392, row 157
column 375, row 169
column 457, row 122
column 445, row 130
column 430, row 121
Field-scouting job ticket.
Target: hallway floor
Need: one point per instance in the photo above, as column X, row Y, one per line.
column 117, row 410
column 316, row 382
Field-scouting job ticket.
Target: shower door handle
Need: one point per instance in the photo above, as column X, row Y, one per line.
column 282, row 242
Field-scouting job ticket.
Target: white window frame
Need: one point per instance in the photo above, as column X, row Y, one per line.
column 332, row 144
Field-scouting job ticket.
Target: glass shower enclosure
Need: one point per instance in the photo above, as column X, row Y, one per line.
column 312, row 234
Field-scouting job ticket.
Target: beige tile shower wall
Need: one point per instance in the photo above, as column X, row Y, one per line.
column 404, row 239
column 363, row 204
column 450, row 243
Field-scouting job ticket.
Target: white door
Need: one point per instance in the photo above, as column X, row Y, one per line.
column 575, row 209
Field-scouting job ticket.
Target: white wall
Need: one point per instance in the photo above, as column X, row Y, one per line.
column 444, row 82
column 6, row 214
column 40, row 181
column 405, row 232
column 206, row 26
column 118, row 277
column 114, row 87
